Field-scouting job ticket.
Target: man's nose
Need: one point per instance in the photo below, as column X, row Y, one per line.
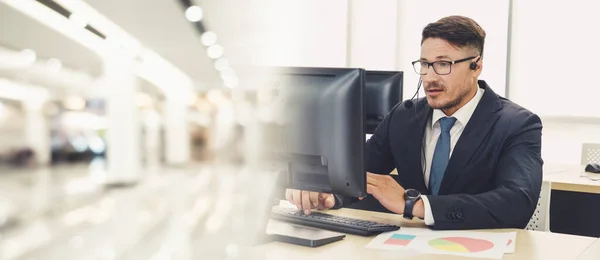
column 430, row 76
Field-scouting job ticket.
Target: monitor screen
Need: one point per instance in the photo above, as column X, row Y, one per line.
column 383, row 90
column 318, row 132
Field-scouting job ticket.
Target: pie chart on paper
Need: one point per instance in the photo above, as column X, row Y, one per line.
column 461, row 244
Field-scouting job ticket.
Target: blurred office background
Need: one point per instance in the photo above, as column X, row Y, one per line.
column 127, row 125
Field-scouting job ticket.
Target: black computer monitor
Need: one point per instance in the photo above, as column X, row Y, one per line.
column 383, row 90
column 319, row 136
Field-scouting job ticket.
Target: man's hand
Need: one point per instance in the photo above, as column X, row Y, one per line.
column 387, row 191
column 307, row 200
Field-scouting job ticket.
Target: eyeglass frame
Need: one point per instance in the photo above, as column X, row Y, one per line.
column 430, row 64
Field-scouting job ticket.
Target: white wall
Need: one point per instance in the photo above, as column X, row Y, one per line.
column 549, row 57
column 552, row 69
column 382, row 36
column 562, row 138
column 373, row 34
column 555, row 56
column 307, row 33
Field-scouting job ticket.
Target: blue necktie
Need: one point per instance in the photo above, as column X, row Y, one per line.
column 441, row 155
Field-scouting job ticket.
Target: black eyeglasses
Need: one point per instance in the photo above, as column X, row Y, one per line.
column 441, row 67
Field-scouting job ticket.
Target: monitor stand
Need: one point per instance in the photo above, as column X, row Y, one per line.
column 274, row 230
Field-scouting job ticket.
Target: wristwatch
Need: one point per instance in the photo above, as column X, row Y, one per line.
column 411, row 196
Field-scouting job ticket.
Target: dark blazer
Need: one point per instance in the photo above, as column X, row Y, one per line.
column 493, row 178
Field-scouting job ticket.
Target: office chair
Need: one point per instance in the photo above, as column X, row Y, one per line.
column 590, row 153
column 540, row 221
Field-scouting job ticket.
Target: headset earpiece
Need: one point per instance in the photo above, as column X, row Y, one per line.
column 474, row 64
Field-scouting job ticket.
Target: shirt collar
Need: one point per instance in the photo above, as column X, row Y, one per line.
column 463, row 114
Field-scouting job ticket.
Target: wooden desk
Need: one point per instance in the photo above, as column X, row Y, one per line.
column 569, row 178
column 530, row 244
column 592, row 252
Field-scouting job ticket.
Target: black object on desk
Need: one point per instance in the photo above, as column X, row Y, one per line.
column 299, row 235
column 593, row 168
column 383, row 90
column 330, row 222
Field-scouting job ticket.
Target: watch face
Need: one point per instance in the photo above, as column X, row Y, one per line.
column 412, row 194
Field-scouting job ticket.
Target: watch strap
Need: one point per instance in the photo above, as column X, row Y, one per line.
column 408, row 209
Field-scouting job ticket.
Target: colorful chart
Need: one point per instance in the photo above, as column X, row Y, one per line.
column 399, row 240
column 461, row 244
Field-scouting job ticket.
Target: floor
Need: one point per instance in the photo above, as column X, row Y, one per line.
column 193, row 212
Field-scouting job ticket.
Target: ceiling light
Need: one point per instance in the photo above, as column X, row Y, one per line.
column 230, row 79
column 194, row 13
column 222, row 64
column 215, row 51
column 78, row 20
column 14, row 91
column 208, row 38
column 232, row 82
column 227, row 74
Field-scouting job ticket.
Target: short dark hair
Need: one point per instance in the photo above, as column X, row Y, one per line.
column 460, row 31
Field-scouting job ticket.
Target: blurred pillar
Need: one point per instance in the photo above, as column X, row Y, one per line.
column 152, row 138
column 37, row 130
column 177, row 135
column 123, row 131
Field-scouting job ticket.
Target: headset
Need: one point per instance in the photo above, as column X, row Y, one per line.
column 410, row 103
column 473, row 65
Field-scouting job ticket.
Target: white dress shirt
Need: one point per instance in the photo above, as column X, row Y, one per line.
column 432, row 133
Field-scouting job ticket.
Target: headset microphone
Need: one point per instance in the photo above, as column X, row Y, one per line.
column 409, row 103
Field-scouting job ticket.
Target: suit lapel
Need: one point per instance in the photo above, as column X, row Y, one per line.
column 475, row 131
column 416, row 130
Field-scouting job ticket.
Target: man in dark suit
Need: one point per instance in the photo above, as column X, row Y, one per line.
column 466, row 158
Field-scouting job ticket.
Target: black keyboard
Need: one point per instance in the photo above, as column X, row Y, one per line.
column 330, row 222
